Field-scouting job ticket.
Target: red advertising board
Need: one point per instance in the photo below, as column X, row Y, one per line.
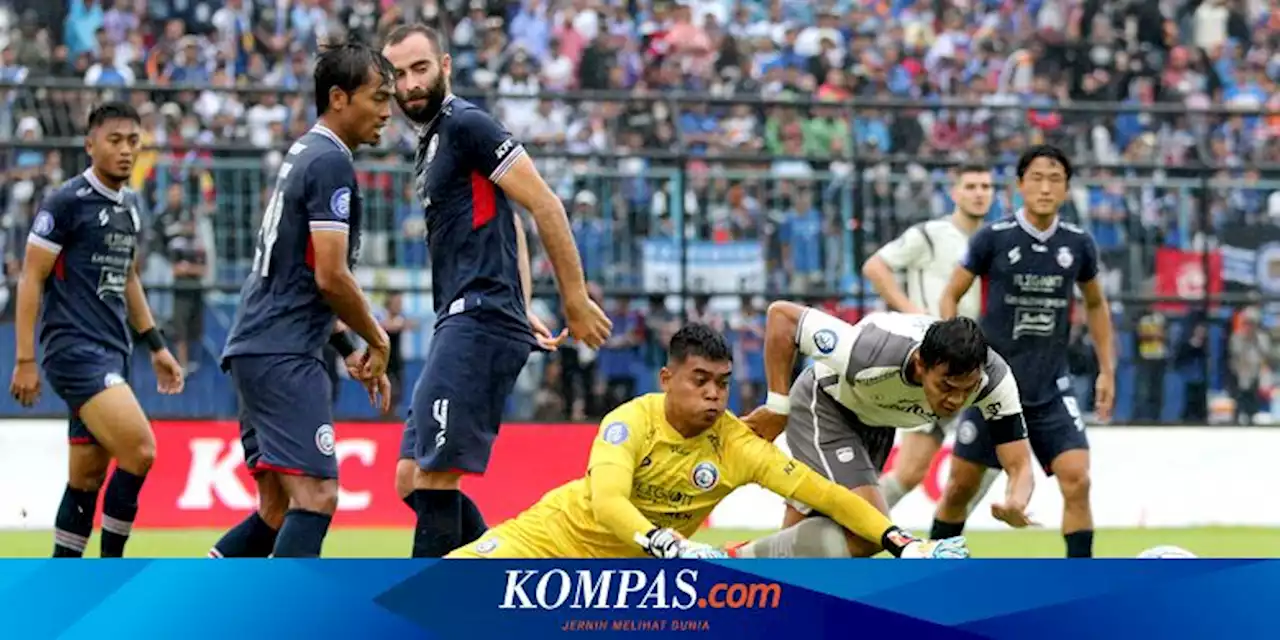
column 200, row 480
column 1181, row 274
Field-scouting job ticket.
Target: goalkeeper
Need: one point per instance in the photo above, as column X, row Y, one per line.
column 663, row 461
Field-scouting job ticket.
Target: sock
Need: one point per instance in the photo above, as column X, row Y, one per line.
column 943, row 530
column 809, row 538
column 302, row 534
column 473, row 525
column 252, row 538
column 892, row 490
column 439, row 528
column 1079, row 543
column 74, row 523
column 119, row 508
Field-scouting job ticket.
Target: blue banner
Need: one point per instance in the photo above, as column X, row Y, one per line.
column 710, row 267
column 776, row 599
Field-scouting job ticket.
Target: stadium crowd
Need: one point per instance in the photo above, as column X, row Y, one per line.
column 219, row 74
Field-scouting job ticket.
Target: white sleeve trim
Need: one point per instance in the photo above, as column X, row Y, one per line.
column 1003, row 401
column 330, row 226
column 506, row 164
column 44, row 243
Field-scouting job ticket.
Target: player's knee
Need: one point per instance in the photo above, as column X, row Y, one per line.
column 910, row 476
column 138, row 457
column 1075, row 486
column 316, row 495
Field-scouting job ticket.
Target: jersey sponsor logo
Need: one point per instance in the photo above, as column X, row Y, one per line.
column 84, row 192
column 112, row 281
column 1065, row 258
column 488, row 545
column 505, row 148
column 824, row 340
column 325, row 439
column 1033, row 322
column 432, row 147
column 659, row 493
column 891, row 374
column 910, row 407
column 967, row 432
column 340, row 203
column 43, row 224
column 616, row 433
column 1039, row 248
column 705, row 476
column 991, row 411
column 1037, row 283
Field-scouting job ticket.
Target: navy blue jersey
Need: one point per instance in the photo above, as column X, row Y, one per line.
column 1028, row 287
column 462, row 154
column 94, row 230
column 281, row 308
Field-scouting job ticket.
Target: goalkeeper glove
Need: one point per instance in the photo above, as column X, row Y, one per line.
column 904, row 545
column 667, row 544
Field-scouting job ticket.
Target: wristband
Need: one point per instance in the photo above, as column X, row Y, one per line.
column 778, row 403
column 342, row 343
column 155, row 341
column 895, row 540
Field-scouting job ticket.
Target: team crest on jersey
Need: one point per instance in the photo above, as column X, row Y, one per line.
column 825, row 341
column 616, row 433
column 1065, row 258
column 705, row 476
column 325, row 439
column 967, row 432
column 340, row 203
column 486, row 546
column 43, row 224
column 432, row 146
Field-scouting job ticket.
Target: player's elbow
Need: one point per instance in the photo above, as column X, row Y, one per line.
column 783, row 319
column 872, row 268
column 330, row 280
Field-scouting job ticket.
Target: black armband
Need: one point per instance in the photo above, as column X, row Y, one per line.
column 895, row 540
column 342, row 343
column 1007, row 429
column 154, row 340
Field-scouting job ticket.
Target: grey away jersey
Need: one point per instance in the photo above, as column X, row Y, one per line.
column 864, row 365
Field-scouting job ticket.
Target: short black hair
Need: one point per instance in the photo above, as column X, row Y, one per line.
column 697, row 339
column 402, row 33
column 112, row 111
column 1047, row 151
column 346, row 66
column 957, row 343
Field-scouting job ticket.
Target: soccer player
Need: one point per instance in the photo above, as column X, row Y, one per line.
column 927, row 253
column 469, row 170
column 661, row 464
column 301, row 278
column 1030, row 265
column 889, row 371
column 80, row 269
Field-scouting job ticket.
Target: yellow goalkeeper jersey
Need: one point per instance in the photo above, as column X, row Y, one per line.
column 675, row 483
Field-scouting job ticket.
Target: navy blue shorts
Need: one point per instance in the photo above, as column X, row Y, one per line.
column 79, row 373
column 286, row 414
column 459, row 400
column 1053, row 429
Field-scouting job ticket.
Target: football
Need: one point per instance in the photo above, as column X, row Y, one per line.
column 1166, row 552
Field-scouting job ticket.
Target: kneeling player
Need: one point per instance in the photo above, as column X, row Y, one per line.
column 890, row 371
column 663, row 461
column 80, row 264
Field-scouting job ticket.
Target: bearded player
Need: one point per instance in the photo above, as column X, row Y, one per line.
column 469, row 171
column 1031, row 264
column 663, row 461
column 890, row 371
column 926, row 254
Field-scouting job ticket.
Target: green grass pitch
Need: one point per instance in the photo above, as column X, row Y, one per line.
column 1225, row 542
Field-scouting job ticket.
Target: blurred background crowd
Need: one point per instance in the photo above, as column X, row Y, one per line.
column 713, row 155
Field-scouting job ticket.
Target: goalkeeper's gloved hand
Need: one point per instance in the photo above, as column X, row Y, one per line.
column 668, row 544
column 945, row 549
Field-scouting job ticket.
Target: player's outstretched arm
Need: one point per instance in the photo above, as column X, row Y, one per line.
column 169, row 377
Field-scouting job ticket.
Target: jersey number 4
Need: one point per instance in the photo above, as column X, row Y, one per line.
column 269, row 232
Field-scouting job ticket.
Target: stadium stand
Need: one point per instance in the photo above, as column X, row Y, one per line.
column 714, row 154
